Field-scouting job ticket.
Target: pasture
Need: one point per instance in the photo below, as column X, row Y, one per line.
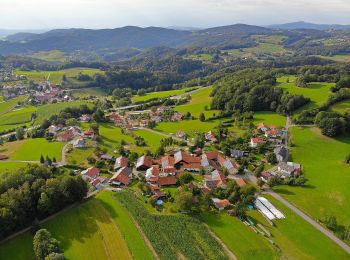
column 97, row 229
column 296, row 238
column 161, row 94
column 56, row 76
column 240, row 239
column 342, row 107
column 10, row 166
column 322, row 158
column 31, row 149
column 269, row 118
column 53, row 55
column 318, row 92
column 87, row 92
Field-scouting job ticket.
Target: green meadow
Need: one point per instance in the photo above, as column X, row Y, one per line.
column 56, row 76
column 161, row 94
column 54, row 55
column 87, row 92
column 322, row 158
column 239, row 238
column 342, row 107
column 269, row 118
column 97, row 229
column 318, row 92
column 296, row 238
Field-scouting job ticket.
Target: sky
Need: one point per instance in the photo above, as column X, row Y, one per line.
column 44, row 14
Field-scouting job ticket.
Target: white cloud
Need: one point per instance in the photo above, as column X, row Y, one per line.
column 203, row 13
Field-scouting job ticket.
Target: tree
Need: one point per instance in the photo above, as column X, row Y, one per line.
column 184, row 201
column 301, row 82
column 72, row 122
column 42, row 160
column 44, row 244
column 55, row 256
column 20, row 133
column 95, row 128
column 202, row 117
column 186, row 178
column 347, row 159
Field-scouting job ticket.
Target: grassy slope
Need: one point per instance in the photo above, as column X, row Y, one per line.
column 97, row 229
column 160, row 94
column 152, row 139
column 342, row 107
column 322, row 158
column 54, row 55
column 318, row 92
column 87, row 92
column 296, row 238
column 9, row 166
column 56, row 76
column 31, row 149
column 269, row 118
column 242, row 241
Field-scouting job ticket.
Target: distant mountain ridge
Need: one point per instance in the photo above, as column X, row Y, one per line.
column 306, row 25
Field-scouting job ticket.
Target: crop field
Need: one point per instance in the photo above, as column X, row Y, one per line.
column 241, row 240
column 56, row 76
column 318, row 92
column 269, row 118
column 342, row 107
column 97, row 229
column 31, row 149
column 161, row 94
column 296, row 238
column 54, row 55
column 193, row 242
column 327, row 191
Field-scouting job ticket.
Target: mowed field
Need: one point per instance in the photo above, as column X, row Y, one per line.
column 10, row 166
column 56, row 76
column 98, row 229
column 342, row 107
column 31, row 149
column 269, row 118
column 239, row 238
column 318, row 92
column 327, row 191
column 161, row 94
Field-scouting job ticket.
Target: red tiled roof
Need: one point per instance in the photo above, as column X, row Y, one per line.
column 213, row 155
column 221, row 204
column 191, row 159
column 257, row 140
column 92, row 172
column 240, row 182
column 122, row 176
column 192, row 166
column 167, row 181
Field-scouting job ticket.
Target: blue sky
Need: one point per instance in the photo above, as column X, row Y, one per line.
column 34, row 14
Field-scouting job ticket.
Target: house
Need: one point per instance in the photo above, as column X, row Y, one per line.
column 281, row 153
column 211, row 137
column 182, row 157
column 122, row 177
column 106, row 157
column 262, row 127
column 167, row 161
column 65, row 137
column 240, row 182
column 287, row 169
column 79, row 143
column 90, row 174
column 228, row 165
column 85, row 118
column 265, row 176
column 121, row 162
column 167, row 181
column 152, row 174
column 89, row 134
column 98, row 182
column 143, row 163
column 254, row 142
column 177, row 117
column 221, row 204
column 3, row 157
column 214, row 180
column 192, row 167
column 181, row 134
column 53, row 129
column 238, row 153
column 116, row 119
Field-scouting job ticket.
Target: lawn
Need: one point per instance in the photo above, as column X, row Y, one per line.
column 79, row 156
column 161, row 94
column 200, row 100
column 97, row 229
column 240, row 239
column 342, row 107
column 87, row 92
column 31, row 149
column 152, row 139
column 9, row 166
column 318, row 92
column 54, row 55
column 269, row 118
column 327, row 191
column 56, row 76
column 296, row 238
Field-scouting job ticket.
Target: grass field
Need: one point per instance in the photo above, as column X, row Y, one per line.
column 87, row 92
column 327, row 191
column 160, row 94
column 31, row 149
column 9, row 166
column 7, row 106
column 342, row 107
column 269, row 118
column 296, row 238
column 339, row 58
column 241, row 240
column 56, row 76
column 318, row 92
column 152, row 139
column 97, row 229
column 197, row 104
column 54, row 55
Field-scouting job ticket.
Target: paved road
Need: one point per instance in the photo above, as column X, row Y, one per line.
column 189, row 92
column 166, row 135
column 310, row 221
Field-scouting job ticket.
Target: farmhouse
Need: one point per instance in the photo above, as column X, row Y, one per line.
column 238, row 153
column 211, row 137
column 143, row 163
column 240, row 182
column 122, row 177
column 221, row 204
column 121, row 162
column 85, row 118
column 90, row 174
column 79, row 143
column 254, row 142
column 214, row 180
column 281, row 153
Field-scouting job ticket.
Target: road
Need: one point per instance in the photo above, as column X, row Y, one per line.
column 166, row 135
column 189, row 92
column 312, row 222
